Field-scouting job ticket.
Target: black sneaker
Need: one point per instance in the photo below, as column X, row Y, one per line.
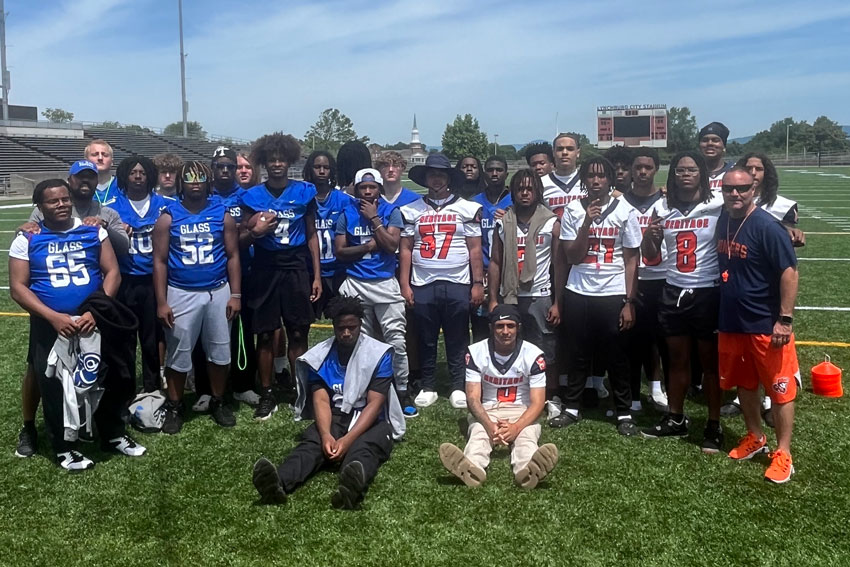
column 408, row 408
column 27, row 442
column 712, row 439
column 352, row 487
column 668, row 427
column 124, row 445
column 627, row 427
column 173, row 421
column 267, row 483
column 221, row 413
column 266, row 407
column 73, row 461
column 564, row 420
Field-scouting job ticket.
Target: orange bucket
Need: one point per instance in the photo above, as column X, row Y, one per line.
column 826, row 379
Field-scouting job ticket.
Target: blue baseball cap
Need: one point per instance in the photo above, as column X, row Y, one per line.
column 82, row 165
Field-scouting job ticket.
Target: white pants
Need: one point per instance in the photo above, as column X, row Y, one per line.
column 479, row 446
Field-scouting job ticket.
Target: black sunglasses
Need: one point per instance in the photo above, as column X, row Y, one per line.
column 226, row 166
column 739, row 188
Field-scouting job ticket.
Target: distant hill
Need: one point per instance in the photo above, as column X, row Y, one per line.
column 745, row 139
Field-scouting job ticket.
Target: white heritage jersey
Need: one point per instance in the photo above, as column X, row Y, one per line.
column 542, row 284
column 603, row 271
column 506, row 384
column 691, row 246
column 559, row 192
column 715, row 180
column 782, row 209
column 439, row 239
column 649, row 268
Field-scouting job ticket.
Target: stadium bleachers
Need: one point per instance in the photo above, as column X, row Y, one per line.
column 17, row 158
column 142, row 143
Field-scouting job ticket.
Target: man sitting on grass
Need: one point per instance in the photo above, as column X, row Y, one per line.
column 505, row 393
column 349, row 378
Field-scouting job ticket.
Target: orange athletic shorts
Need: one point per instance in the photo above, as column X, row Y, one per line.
column 746, row 360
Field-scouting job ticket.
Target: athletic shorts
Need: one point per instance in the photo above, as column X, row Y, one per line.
column 197, row 314
column 535, row 328
column 275, row 294
column 689, row 312
column 747, row 360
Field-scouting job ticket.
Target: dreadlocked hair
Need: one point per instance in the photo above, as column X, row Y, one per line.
column 769, row 186
column 278, row 144
column 122, row 174
column 308, row 175
column 607, row 169
column 343, row 305
column 198, row 168
column 541, row 148
column 536, row 185
column 673, row 187
column 351, row 158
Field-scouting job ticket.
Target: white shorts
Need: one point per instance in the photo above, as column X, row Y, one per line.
column 198, row 313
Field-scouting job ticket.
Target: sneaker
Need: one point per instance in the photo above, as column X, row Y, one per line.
column 458, row 399
column 459, row 465
column 659, row 400
column 266, row 407
column 564, row 420
column 425, row 398
column 732, row 409
column 125, row 446
column 553, row 408
column 221, row 413
column 408, row 408
column 202, row 405
column 73, row 461
column 712, row 441
column 589, row 398
column 352, row 486
column 173, row 421
column 668, row 427
column 627, row 427
column 781, row 468
column 27, row 443
column 249, row 397
column 267, row 483
column 749, row 447
column 541, row 464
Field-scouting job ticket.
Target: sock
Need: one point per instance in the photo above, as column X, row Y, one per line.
column 572, row 412
column 655, row 387
column 623, row 417
column 636, row 406
column 281, row 363
column 766, row 403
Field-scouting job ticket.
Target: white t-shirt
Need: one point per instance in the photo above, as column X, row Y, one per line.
column 19, row 249
column 603, row 271
column 691, row 246
column 439, row 239
column 649, row 269
column 542, row 285
column 559, row 191
column 783, row 210
column 141, row 206
column 509, row 383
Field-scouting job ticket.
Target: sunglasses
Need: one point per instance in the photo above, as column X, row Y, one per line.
column 194, row 177
column 739, row 188
column 228, row 166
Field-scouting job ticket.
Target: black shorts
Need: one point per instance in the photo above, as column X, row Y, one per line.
column 275, row 294
column 689, row 312
column 647, row 305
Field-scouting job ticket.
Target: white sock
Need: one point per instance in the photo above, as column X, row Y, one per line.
column 281, row 363
column 572, row 412
column 655, row 387
column 636, row 405
column 622, row 417
column 737, row 401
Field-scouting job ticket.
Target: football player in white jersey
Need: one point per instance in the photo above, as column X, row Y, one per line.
column 689, row 304
column 520, row 268
column 505, row 390
column 712, row 146
column 563, row 185
column 441, row 272
column 601, row 239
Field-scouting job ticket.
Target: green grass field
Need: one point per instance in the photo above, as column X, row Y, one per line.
column 611, row 501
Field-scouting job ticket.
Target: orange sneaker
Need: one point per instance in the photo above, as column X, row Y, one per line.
column 781, row 468
column 749, row 447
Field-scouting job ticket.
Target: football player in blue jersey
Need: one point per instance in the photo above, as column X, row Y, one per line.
column 279, row 218
column 168, row 167
column 198, row 289
column 51, row 275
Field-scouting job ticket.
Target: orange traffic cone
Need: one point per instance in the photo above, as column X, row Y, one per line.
column 826, row 379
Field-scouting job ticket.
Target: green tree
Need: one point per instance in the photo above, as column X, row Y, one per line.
column 681, row 129
column 57, row 115
column 193, row 129
column 331, row 130
column 464, row 137
column 829, row 135
column 398, row 146
column 508, row 152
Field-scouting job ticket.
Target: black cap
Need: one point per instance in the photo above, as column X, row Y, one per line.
column 717, row 128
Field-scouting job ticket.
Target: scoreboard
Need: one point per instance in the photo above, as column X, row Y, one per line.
column 632, row 125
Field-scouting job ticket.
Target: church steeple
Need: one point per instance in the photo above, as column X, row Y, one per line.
column 414, row 134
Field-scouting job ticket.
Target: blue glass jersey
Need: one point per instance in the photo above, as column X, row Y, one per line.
column 377, row 265
column 196, row 255
column 297, row 199
column 327, row 213
column 332, row 374
column 65, row 266
column 139, row 258
column 488, row 220
column 232, row 202
column 107, row 195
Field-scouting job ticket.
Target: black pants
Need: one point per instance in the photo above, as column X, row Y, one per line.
column 445, row 305
column 136, row 292
column 372, row 449
column 480, row 325
column 241, row 379
column 645, row 337
column 595, row 334
column 107, row 418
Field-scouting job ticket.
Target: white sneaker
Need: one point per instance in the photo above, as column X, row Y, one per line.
column 553, row 407
column 73, row 461
column 425, row 398
column 126, row 446
column 659, row 398
column 250, row 397
column 203, row 404
column 458, row 399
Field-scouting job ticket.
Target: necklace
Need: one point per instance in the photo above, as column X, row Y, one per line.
column 731, row 241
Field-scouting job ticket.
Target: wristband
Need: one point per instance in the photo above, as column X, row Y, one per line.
column 627, row 300
column 236, row 295
column 375, row 217
column 786, row 319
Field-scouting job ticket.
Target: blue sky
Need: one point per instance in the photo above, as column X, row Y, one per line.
column 254, row 66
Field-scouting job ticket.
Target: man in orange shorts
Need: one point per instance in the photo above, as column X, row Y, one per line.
column 758, row 288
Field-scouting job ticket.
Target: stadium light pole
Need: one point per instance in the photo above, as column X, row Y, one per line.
column 4, row 73
column 183, row 71
column 787, row 137
column 495, row 144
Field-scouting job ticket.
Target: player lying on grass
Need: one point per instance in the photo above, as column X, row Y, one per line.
column 345, row 383
column 505, row 393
